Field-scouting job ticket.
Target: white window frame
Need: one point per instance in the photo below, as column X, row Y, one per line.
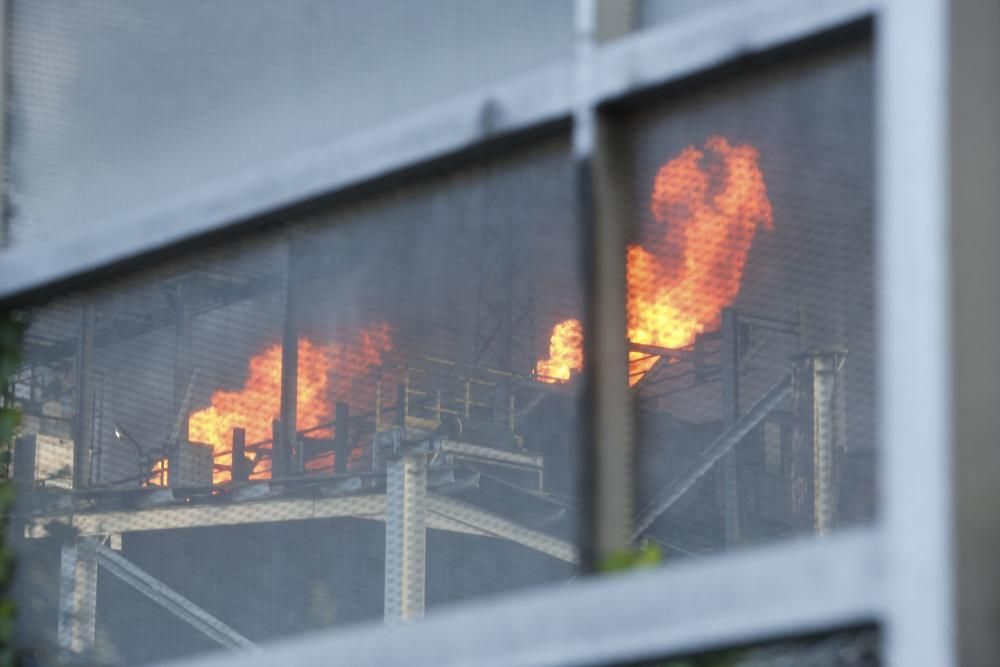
column 924, row 571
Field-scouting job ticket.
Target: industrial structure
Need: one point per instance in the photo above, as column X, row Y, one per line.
column 423, row 445
column 614, row 308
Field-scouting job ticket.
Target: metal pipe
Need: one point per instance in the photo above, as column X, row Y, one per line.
column 378, row 401
column 288, row 456
column 729, row 480
column 341, row 438
column 510, row 411
column 240, row 472
column 85, row 397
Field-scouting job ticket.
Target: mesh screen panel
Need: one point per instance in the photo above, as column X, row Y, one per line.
column 188, row 501
column 852, row 648
column 751, row 304
column 121, row 105
column 655, row 12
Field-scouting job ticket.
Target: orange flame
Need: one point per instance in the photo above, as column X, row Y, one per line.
column 327, row 373
column 159, row 474
column 565, row 352
column 707, row 205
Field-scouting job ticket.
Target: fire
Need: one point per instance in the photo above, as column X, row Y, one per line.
column 327, row 373
column 159, row 472
column 565, row 352
column 707, row 205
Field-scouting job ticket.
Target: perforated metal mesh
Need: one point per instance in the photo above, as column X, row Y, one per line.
column 423, row 460
column 855, row 648
column 650, row 13
column 120, row 106
column 751, row 304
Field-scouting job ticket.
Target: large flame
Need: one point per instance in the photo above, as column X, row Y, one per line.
column 707, row 205
column 326, row 373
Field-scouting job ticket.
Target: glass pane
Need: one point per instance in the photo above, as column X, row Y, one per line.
column 412, row 459
column 751, row 307
column 117, row 106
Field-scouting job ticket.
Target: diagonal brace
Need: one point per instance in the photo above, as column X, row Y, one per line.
column 170, row 599
column 729, row 439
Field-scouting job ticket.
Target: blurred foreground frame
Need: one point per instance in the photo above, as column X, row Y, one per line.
column 871, row 574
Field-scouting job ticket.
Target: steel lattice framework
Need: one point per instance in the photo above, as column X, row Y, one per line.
column 925, row 572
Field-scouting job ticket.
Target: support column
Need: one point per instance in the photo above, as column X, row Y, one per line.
column 289, row 458
column 77, row 598
column 405, row 538
column 601, row 184
column 180, row 296
column 728, row 479
column 342, row 438
column 84, row 425
column 824, row 368
column 240, row 472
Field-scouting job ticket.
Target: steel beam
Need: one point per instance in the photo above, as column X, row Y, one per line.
column 825, row 369
column 77, row 598
column 728, row 478
column 169, row 599
column 188, row 516
column 240, row 468
column 473, row 519
column 341, row 437
column 606, row 456
column 287, row 456
column 84, row 422
column 405, row 538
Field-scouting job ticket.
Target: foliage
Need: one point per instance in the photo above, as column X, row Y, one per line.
column 646, row 555
column 11, row 331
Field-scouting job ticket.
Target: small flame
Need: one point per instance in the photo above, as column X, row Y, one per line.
column 707, row 205
column 565, row 352
column 159, row 473
column 327, row 373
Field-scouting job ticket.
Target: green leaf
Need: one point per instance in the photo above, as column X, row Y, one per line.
column 647, row 555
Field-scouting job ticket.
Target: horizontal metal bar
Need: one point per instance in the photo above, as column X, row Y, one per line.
column 444, row 514
column 658, row 351
column 710, row 39
column 169, row 599
column 187, row 516
column 791, row 588
column 629, row 65
column 497, row 526
column 491, row 453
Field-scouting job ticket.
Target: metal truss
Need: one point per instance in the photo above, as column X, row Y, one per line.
column 925, row 573
column 169, row 599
